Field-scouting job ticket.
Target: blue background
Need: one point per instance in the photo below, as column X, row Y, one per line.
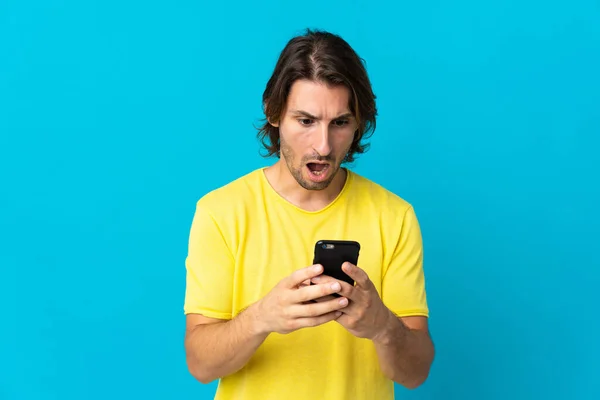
column 115, row 117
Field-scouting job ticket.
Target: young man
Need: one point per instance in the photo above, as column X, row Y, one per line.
column 260, row 317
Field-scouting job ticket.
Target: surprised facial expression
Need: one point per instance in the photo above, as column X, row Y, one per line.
column 316, row 132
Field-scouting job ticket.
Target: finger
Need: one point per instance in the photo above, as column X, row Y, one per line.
column 319, row 308
column 350, row 291
column 306, row 322
column 322, row 279
column 301, row 275
column 351, row 309
column 312, row 292
column 360, row 277
column 324, row 298
column 346, row 291
column 305, row 283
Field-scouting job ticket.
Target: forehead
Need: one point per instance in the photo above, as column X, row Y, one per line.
column 318, row 98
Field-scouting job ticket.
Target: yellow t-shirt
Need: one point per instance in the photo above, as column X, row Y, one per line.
column 245, row 238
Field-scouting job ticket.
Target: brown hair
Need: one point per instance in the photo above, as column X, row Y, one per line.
column 326, row 57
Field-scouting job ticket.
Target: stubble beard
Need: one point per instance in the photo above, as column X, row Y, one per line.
column 296, row 171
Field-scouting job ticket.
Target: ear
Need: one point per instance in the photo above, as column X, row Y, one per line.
column 269, row 120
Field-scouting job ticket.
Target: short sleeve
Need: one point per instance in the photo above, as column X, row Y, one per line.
column 209, row 269
column 403, row 286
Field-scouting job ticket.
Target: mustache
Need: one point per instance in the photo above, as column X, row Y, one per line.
column 319, row 158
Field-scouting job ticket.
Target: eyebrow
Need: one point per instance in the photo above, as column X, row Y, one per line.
column 309, row 115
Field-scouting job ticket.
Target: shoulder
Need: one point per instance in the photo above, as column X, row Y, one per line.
column 224, row 199
column 379, row 196
column 396, row 217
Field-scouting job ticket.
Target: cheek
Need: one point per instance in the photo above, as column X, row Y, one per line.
column 295, row 135
column 344, row 140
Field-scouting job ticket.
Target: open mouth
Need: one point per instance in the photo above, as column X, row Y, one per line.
column 317, row 170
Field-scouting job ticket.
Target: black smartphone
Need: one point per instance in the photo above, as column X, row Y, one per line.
column 331, row 254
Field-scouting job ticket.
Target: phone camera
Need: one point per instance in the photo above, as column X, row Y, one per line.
column 324, row 246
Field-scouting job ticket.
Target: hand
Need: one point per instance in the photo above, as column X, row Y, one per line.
column 289, row 305
column 366, row 315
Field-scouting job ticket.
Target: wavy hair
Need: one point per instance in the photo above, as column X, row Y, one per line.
column 325, row 57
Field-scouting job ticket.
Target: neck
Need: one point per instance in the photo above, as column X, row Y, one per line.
column 286, row 186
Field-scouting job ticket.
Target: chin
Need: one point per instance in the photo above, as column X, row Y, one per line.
column 309, row 182
column 308, row 185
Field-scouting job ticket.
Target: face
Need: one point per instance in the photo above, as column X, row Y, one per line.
column 316, row 132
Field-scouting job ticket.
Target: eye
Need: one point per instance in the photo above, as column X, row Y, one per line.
column 340, row 122
column 305, row 121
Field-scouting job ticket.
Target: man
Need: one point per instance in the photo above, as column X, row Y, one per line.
column 260, row 317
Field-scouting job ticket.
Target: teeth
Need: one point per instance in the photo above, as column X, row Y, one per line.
column 317, row 173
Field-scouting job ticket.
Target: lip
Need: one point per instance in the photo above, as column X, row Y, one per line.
column 320, row 177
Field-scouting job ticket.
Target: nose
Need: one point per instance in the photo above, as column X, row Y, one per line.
column 322, row 140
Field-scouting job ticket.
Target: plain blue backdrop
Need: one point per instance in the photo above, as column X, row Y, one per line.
column 115, row 117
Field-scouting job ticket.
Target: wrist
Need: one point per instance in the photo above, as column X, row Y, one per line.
column 256, row 325
column 391, row 329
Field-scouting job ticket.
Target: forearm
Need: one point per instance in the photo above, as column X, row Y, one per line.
column 405, row 355
column 220, row 349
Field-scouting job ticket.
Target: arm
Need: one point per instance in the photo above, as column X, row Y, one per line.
column 216, row 348
column 403, row 345
column 216, row 342
column 405, row 350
